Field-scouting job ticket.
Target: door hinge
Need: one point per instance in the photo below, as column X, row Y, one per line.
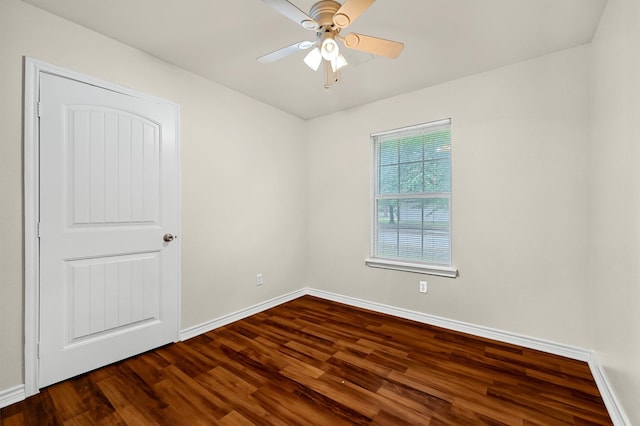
column 38, row 229
column 38, row 350
column 39, row 109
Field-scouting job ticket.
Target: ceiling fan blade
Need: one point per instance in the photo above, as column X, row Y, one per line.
column 292, row 12
column 377, row 46
column 350, row 11
column 285, row 51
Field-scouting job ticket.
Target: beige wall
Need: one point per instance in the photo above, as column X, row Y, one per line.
column 520, row 144
column 615, row 203
column 541, row 174
column 242, row 175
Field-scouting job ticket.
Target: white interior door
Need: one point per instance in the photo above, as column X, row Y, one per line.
column 109, row 282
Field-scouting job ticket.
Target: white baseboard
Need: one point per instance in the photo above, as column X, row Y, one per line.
column 613, row 405
column 194, row 331
column 16, row 394
column 617, row 414
column 12, row 395
column 567, row 351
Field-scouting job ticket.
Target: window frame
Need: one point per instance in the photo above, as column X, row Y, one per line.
column 405, row 264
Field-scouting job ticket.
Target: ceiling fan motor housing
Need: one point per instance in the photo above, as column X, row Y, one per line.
column 327, row 18
column 323, row 11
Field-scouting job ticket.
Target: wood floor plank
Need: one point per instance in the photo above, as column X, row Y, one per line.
column 235, row 419
column 243, row 403
column 390, row 406
column 315, row 362
column 339, row 392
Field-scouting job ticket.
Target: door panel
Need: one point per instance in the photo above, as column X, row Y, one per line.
column 115, row 174
column 111, row 292
column 108, row 193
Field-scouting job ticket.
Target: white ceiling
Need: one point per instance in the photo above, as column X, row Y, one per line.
column 444, row 40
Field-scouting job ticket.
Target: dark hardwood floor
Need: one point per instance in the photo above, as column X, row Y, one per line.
column 315, row 362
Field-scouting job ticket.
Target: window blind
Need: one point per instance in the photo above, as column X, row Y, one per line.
column 412, row 194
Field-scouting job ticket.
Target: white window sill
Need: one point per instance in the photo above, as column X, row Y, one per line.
column 442, row 271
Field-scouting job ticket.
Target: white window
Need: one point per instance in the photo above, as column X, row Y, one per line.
column 411, row 200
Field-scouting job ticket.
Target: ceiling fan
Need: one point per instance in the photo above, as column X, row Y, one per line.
column 327, row 18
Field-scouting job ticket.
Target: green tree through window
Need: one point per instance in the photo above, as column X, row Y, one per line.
column 412, row 198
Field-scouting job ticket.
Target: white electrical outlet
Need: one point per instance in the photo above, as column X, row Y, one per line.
column 259, row 279
column 423, row 286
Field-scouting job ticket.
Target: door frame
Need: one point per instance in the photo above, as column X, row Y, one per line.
column 31, row 204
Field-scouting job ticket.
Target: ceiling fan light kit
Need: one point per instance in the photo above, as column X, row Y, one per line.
column 313, row 59
column 329, row 49
column 327, row 18
column 338, row 63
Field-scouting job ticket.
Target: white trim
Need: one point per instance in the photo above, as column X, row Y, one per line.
column 31, row 207
column 406, row 265
column 611, row 402
column 614, row 407
column 443, row 122
column 32, row 70
column 205, row 327
column 418, row 268
column 11, row 396
column 41, row 66
column 464, row 327
column 476, row 330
